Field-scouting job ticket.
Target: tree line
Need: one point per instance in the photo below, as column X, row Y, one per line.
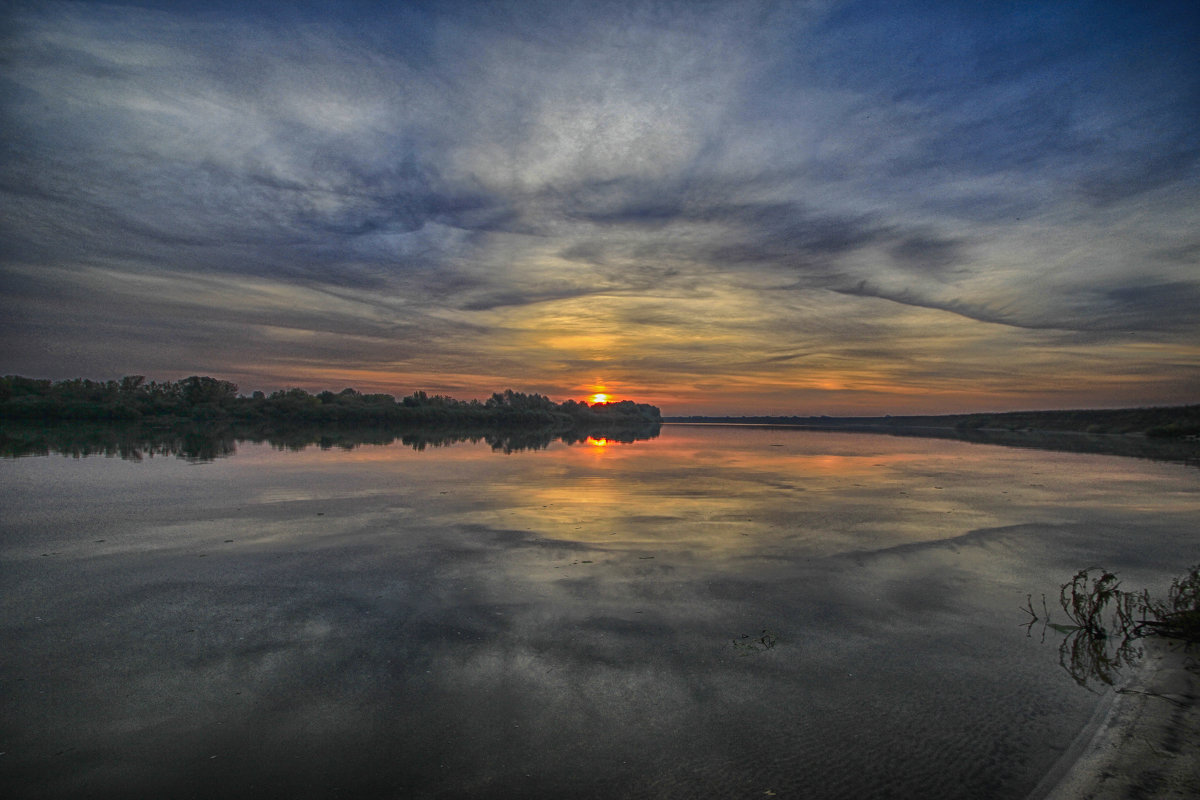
column 201, row 398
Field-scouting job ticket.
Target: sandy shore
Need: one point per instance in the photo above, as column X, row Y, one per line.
column 1144, row 741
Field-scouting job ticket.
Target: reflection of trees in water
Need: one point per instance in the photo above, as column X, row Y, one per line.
column 199, row 443
column 1105, row 623
column 131, row 443
column 1090, row 658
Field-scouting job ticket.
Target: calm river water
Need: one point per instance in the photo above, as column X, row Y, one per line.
column 716, row 612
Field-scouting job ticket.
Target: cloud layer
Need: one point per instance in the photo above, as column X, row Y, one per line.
column 718, row 207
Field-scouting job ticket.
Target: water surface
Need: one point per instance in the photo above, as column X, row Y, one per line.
column 585, row 620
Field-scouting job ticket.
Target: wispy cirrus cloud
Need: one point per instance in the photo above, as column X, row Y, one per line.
column 669, row 196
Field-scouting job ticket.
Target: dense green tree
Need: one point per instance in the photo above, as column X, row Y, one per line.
column 207, row 399
column 197, row 390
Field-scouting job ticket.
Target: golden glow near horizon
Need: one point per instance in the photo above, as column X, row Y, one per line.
column 600, row 397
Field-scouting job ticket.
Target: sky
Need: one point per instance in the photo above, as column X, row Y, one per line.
column 719, row 208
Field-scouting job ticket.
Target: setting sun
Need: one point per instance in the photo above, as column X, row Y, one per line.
column 600, row 398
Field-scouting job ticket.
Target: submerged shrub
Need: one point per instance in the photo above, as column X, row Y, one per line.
column 1086, row 599
column 1101, row 613
column 1179, row 616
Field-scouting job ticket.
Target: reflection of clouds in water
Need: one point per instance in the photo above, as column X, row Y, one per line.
column 763, row 502
column 279, row 495
column 455, row 621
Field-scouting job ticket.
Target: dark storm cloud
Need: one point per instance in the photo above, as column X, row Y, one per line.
column 922, row 252
column 722, row 230
column 1154, row 306
column 1140, row 307
column 500, row 299
column 909, row 297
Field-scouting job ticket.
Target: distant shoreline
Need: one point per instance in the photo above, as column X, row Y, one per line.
column 1157, row 434
column 1157, row 422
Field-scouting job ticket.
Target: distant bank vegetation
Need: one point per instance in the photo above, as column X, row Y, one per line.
column 1169, row 422
column 205, row 399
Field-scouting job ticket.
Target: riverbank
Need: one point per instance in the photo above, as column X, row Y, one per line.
column 1172, row 422
column 1145, row 741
